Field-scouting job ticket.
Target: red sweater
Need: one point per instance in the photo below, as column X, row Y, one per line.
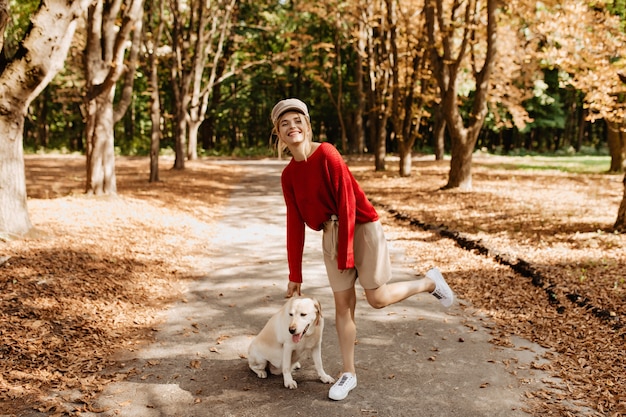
column 314, row 190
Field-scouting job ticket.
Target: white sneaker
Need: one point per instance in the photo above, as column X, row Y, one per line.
column 342, row 387
column 442, row 290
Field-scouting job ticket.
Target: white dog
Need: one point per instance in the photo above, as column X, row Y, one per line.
column 290, row 334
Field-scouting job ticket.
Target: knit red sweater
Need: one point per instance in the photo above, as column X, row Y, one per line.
column 316, row 189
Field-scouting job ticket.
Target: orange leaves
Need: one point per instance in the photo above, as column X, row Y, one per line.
column 92, row 283
column 555, row 221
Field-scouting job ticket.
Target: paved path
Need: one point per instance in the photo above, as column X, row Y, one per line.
column 410, row 357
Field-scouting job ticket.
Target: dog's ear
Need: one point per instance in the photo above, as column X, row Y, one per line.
column 318, row 311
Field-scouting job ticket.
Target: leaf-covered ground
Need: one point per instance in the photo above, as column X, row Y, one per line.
column 539, row 259
column 98, row 270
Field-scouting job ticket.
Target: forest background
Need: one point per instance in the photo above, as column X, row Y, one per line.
column 186, row 79
column 200, row 77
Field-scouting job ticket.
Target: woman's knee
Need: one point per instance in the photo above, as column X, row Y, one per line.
column 377, row 304
column 345, row 300
column 377, row 298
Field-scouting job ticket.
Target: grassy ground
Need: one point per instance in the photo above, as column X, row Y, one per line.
column 572, row 164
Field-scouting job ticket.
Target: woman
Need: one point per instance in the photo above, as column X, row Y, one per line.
column 321, row 192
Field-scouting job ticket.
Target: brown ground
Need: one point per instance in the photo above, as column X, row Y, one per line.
column 92, row 281
column 560, row 225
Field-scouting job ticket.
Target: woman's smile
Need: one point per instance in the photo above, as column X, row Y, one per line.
column 291, row 126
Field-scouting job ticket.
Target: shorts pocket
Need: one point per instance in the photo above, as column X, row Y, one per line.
column 330, row 237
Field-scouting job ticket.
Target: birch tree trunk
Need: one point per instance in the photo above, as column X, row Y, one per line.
column 40, row 57
column 110, row 24
column 14, row 219
column 199, row 32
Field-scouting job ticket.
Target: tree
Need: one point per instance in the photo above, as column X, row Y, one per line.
column 154, row 31
column 594, row 61
column 450, row 45
column 110, row 24
column 23, row 76
column 379, row 77
column 200, row 30
column 327, row 69
column 346, row 52
column 411, row 77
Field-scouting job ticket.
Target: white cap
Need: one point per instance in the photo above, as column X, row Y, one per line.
column 290, row 104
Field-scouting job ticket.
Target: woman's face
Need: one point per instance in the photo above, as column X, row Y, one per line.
column 292, row 128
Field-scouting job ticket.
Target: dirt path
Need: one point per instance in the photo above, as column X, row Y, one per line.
column 412, row 358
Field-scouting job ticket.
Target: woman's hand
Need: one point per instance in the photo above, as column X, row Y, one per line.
column 293, row 288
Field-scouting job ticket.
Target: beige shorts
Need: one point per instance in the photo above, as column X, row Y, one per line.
column 371, row 257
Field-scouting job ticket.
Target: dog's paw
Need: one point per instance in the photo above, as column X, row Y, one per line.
column 327, row 379
column 261, row 374
column 296, row 366
column 291, row 384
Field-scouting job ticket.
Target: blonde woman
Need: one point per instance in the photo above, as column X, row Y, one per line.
column 321, row 193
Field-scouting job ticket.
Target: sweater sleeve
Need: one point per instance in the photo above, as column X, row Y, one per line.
column 295, row 233
column 346, row 205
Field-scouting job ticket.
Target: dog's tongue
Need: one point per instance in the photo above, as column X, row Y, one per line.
column 296, row 337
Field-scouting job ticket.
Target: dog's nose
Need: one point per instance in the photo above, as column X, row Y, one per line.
column 292, row 330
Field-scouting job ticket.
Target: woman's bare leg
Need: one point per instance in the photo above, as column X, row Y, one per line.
column 392, row 293
column 345, row 303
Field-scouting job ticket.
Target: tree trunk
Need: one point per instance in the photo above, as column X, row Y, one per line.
column 180, row 136
column 43, row 127
column 439, row 130
column 339, row 82
column 616, row 138
column 460, row 175
column 620, row 223
column 405, row 163
column 39, row 58
column 155, row 100
column 155, row 118
column 110, row 24
column 100, row 150
column 380, row 144
column 14, row 219
column 192, row 144
column 358, row 140
column 180, row 80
